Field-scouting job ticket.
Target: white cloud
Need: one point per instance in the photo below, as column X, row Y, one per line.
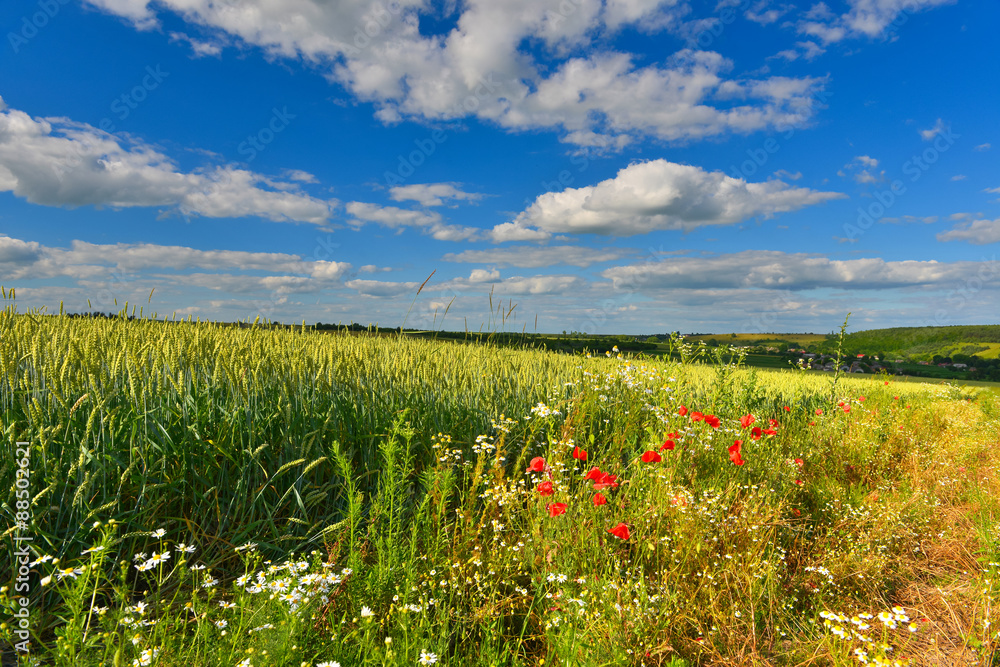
column 958, row 177
column 929, row 134
column 764, row 13
column 982, row 147
column 300, row 176
column 657, row 195
column 995, row 190
column 432, row 194
column 484, row 66
column 379, row 288
column 428, row 222
column 484, row 276
column 198, row 47
column 976, row 232
column 84, row 260
column 789, row 175
column 391, row 216
column 865, row 18
column 517, row 231
column 764, row 269
column 58, row 162
column 539, row 285
column 534, row 257
column 862, row 170
column 911, row 219
column 15, row 252
column 807, row 49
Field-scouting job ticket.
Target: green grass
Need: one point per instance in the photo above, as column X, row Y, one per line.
column 371, row 500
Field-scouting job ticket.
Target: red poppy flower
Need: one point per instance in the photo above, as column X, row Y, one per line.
column 895, row 398
column 697, row 416
column 861, row 398
column 599, row 499
column 746, row 420
column 672, row 436
column 537, row 464
column 555, row 509
column 799, row 482
column 620, row 531
column 712, row 421
column 579, row 454
column 799, row 462
column 756, row 432
column 819, row 411
column 607, row 481
column 797, row 512
column 812, row 423
column 847, row 408
column 545, row 488
column 734, row 452
column 669, row 444
column 594, row 474
column 769, row 431
column 887, row 382
column 649, row 456
column 682, row 411
column 773, row 423
column 787, row 409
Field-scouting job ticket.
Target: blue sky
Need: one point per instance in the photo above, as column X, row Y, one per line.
column 609, row 166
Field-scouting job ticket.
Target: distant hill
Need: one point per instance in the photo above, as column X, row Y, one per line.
column 924, row 343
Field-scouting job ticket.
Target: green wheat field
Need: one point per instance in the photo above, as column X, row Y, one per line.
column 199, row 494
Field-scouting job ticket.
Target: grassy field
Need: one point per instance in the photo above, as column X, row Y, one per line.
column 205, row 495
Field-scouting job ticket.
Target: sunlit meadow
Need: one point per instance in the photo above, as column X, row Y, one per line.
column 211, row 495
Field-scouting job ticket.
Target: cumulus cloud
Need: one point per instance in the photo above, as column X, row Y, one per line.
column 656, row 195
column 58, row 162
column 764, row 269
column 432, row 194
column 976, row 232
column 484, row 66
column 484, row 276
